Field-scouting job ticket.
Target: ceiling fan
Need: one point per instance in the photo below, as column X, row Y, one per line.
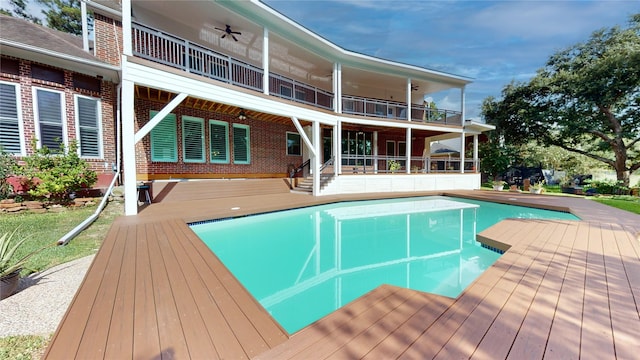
column 415, row 87
column 228, row 31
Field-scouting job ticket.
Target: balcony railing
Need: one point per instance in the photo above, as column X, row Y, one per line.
column 381, row 164
column 173, row 51
column 290, row 89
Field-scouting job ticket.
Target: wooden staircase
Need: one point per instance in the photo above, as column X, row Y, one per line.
column 306, row 185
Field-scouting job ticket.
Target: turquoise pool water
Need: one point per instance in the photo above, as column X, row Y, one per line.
column 304, row 264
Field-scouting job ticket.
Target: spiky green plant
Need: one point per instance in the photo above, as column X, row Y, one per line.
column 9, row 262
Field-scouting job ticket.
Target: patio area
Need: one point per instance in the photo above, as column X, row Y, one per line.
column 562, row 290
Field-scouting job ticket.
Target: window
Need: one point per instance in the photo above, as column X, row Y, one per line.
column 192, row 139
column 48, row 111
column 88, row 124
column 391, row 148
column 241, row 140
column 293, row 144
column 219, row 138
column 10, row 140
column 164, row 142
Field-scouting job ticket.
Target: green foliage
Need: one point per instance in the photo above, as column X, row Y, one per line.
column 23, row 347
column 496, row 157
column 7, row 169
column 54, row 175
column 10, row 260
column 19, row 9
column 585, row 100
column 394, row 165
column 609, row 187
column 63, row 15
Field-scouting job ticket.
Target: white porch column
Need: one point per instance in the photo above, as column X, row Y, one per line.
column 265, row 61
column 375, row 152
column 338, row 136
column 315, row 162
column 408, row 144
column 409, row 99
column 126, row 28
column 85, row 26
column 336, row 148
column 476, row 163
column 129, row 148
column 462, row 137
column 337, row 88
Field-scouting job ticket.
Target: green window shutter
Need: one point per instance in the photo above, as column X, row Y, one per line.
column 192, row 139
column 164, row 140
column 89, row 127
column 219, row 138
column 241, row 144
column 9, row 123
column 50, row 118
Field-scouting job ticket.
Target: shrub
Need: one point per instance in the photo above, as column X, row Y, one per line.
column 7, row 169
column 55, row 175
column 609, row 187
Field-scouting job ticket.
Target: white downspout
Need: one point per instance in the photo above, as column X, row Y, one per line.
column 64, row 240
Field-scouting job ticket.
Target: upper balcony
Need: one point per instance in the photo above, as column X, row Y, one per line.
column 193, row 57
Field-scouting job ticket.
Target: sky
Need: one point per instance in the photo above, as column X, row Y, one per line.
column 492, row 42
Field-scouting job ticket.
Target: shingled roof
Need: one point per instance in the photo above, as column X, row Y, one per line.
column 24, row 32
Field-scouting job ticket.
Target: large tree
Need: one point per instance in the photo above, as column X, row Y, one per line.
column 63, row 15
column 19, row 9
column 585, row 100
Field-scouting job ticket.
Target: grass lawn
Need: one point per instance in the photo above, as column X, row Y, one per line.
column 46, row 229
column 628, row 203
column 42, row 230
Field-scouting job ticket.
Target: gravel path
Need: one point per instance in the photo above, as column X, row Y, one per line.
column 42, row 299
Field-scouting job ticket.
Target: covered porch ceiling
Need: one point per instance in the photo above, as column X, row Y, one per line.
column 294, row 52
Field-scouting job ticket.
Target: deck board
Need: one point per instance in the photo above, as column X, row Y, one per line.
column 563, row 289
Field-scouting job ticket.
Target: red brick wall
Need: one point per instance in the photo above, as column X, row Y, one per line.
column 107, row 96
column 108, row 39
column 268, row 147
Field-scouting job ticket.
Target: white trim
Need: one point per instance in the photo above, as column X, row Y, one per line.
column 36, row 115
column 98, row 120
column 159, row 116
column 21, row 134
column 303, row 135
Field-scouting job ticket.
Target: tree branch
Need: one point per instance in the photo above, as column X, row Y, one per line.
column 631, row 144
column 602, row 136
column 593, row 156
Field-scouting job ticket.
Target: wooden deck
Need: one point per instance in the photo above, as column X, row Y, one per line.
column 562, row 289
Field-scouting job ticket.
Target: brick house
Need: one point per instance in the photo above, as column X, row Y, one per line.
column 53, row 91
column 234, row 89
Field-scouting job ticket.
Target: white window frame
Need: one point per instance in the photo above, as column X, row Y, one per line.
column 36, row 116
column 21, row 134
column 98, row 121
column 287, row 143
column 184, row 144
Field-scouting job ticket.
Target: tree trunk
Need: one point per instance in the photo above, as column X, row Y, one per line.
column 622, row 172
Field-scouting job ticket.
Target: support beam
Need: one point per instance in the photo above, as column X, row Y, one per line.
column 159, row 116
column 337, row 88
column 336, row 148
column 339, row 148
column 409, row 99
column 129, row 148
column 85, row 26
column 375, row 152
column 304, row 136
column 476, row 163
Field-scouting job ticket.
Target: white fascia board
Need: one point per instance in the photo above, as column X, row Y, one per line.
column 475, row 127
column 80, row 65
column 154, row 78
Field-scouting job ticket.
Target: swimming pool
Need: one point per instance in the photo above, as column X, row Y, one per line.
column 304, row 264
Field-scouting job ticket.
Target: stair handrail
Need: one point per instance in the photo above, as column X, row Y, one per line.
column 293, row 172
column 326, row 163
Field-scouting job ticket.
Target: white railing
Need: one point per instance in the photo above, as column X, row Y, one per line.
column 369, row 164
column 170, row 50
column 173, row 51
column 299, row 92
